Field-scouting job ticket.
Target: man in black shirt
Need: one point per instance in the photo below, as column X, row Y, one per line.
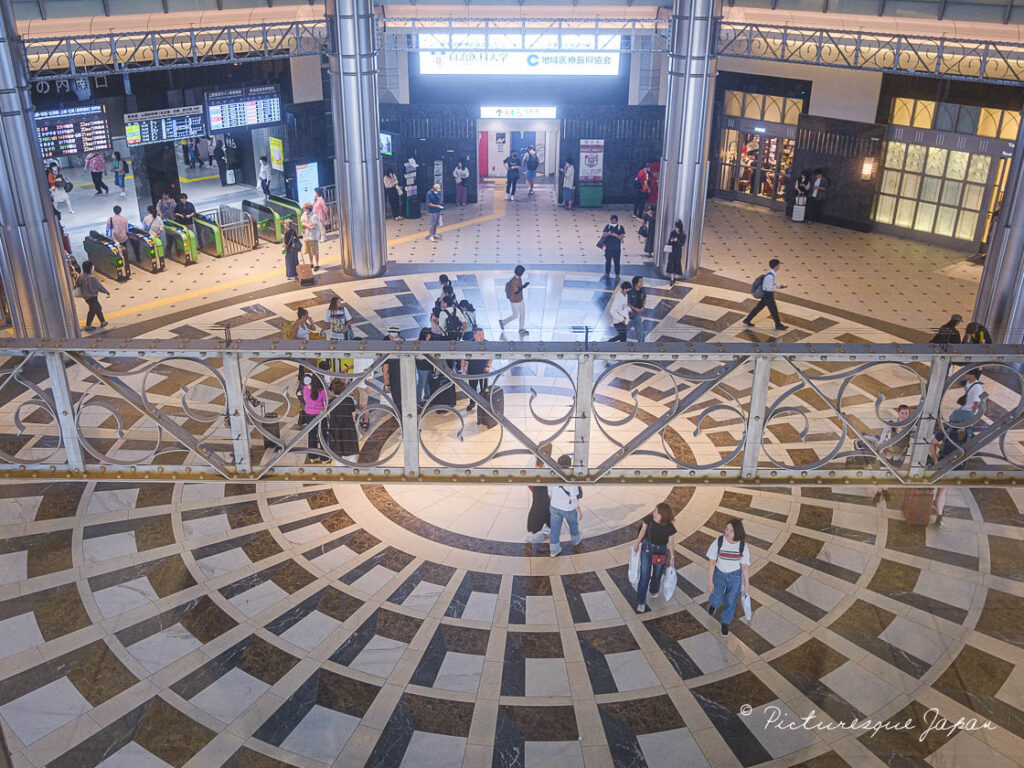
column 511, row 175
column 184, row 211
column 476, row 367
column 637, row 303
column 532, row 162
column 612, row 235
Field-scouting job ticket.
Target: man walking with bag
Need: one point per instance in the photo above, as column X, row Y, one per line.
column 565, row 507
column 434, row 208
column 514, row 293
column 766, row 285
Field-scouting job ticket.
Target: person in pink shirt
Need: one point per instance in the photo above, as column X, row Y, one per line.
column 320, row 206
column 97, row 164
column 314, row 400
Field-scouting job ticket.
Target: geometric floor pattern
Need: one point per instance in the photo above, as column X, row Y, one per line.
column 264, row 626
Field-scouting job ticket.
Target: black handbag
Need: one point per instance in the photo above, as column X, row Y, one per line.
column 68, row 186
column 643, row 231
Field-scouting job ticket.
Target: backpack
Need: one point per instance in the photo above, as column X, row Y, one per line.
column 638, row 183
column 532, row 162
column 757, row 289
column 508, row 290
column 743, row 544
column 452, row 324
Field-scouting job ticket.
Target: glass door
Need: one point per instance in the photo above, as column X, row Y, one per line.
column 750, row 150
column 785, row 169
column 769, row 167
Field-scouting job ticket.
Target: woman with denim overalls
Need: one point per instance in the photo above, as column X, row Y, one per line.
column 728, row 566
column 657, row 546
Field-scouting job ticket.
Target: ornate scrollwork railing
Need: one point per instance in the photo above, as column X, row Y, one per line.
column 667, row 413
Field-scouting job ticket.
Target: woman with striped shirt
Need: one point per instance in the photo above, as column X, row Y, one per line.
column 728, row 566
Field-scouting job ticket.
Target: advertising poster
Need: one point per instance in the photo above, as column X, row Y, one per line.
column 591, row 160
column 276, row 154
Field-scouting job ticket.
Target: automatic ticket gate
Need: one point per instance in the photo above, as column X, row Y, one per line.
column 269, row 224
column 147, row 250
column 106, row 256
column 286, row 209
column 181, row 243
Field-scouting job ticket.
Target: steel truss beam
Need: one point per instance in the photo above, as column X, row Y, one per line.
column 783, row 414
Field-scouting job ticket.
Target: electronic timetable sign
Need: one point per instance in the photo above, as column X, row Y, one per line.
column 241, row 107
column 163, row 125
column 72, row 130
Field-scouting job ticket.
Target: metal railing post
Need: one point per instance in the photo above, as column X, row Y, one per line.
column 584, row 416
column 235, row 402
column 929, row 416
column 756, row 416
column 64, row 411
column 410, row 416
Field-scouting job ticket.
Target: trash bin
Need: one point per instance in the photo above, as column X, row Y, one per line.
column 591, row 197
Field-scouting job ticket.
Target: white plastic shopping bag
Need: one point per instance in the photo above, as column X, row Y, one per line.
column 634, row 567
column 747, row 610
column 668, row 583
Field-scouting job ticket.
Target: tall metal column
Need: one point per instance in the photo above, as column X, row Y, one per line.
column 357, row 164
column 31, row 252
column 682, row 183
column 1000, row 303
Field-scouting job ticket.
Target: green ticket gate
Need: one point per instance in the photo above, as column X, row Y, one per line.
column 285, row 208
column 269, row 224
column 106, row 256
column 225, row 231
column 146, row 249
column 181, row 243
column 208, row 235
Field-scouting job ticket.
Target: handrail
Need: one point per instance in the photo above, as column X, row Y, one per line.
column 672, row 413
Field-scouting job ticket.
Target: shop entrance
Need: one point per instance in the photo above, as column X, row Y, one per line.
column 757, row 164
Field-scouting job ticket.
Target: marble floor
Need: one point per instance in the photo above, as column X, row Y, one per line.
column 270, row 625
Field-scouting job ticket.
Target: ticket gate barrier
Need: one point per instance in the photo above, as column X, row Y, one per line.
column 208, row 235
column 269, row 224
column 106, row 256
column 146, row 249
column 225, row 231
column 181, row 243
column 286, row 208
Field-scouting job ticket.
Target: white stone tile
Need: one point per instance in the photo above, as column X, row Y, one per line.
column 434, row 749
column 224, row 562
column 13, row 567
column 946, row 537
column 771, row 626
column 115, row 500
column 631, row 670
column 423, row 596
column 20, row 509
column 259, row 598
column 919, row 641
column 814, row 592
column 864, row 690
column 540, row 609
column 43, row 710
column 956, row 592
column 230, row 695
column 125, row 597
column 547, row 677
column 460, row 672
column 1012, row 691
column 333, row 558
column 599, row 606
column 553, row 754
column 312, row 630
column 708, row 653
column 844, row 557
column 131, row 755
column 201, row 491
column 966, row 750
column 480, row 606
column 380, row 656
column 289, row 509
column 675, row 747
column 18, row 633
column 779, row 741
column 205, row 526
column 304, row 534
column 374, row 579
column 158, row 650
column 321, row 735
column 103, row 548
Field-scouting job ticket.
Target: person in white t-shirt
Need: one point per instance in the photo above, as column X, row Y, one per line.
column 973, row 390
column 565, row 506
column 728, row 566
column 339, row 320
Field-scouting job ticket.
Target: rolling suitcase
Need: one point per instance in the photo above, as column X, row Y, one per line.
column 305, row 273
column 496, row 398
column 447, row 396
column 800, row 208
column 917, row 506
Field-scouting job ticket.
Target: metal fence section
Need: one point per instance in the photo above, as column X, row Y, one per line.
column 979, row 60
column 238, row 229
column 658, row 413
column 331, row 198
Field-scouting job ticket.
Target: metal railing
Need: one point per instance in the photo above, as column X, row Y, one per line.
column 331, row 198
column 978, row 60
column 656, row 413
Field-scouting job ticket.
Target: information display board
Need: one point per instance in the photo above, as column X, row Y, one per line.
column 241, row 107
column 72, row 130
column 505, row 55
column 163, row 125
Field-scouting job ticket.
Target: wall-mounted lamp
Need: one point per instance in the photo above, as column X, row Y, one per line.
column 867, row 170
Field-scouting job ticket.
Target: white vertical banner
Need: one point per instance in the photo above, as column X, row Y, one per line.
column 591, row 160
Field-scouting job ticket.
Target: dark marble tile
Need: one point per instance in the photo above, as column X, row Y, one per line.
column 667, row 631
column 624, row 721
column 804, row 667
column 820, row 519
column 206, row 620
column 260, row 546
column 337, row 604
column 517, row 725
column 344, row 694
column 909, row 747
column 277, row 727
column 291, row 577
column 472, row 581
column 910, row 539
column 104, row 743
column 974, row 679
column 170, row 734
column 775, row 580
column 595, row 644
column 896, row 581
column 827, row 760
column 721, row 702
column 1007, row 557
column 805, row 550
column 265, row 661
column 250, row 758
column 1002, row 617
column 997, row 506
column 448, row 638
column 863, row 623
column 47, row 552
